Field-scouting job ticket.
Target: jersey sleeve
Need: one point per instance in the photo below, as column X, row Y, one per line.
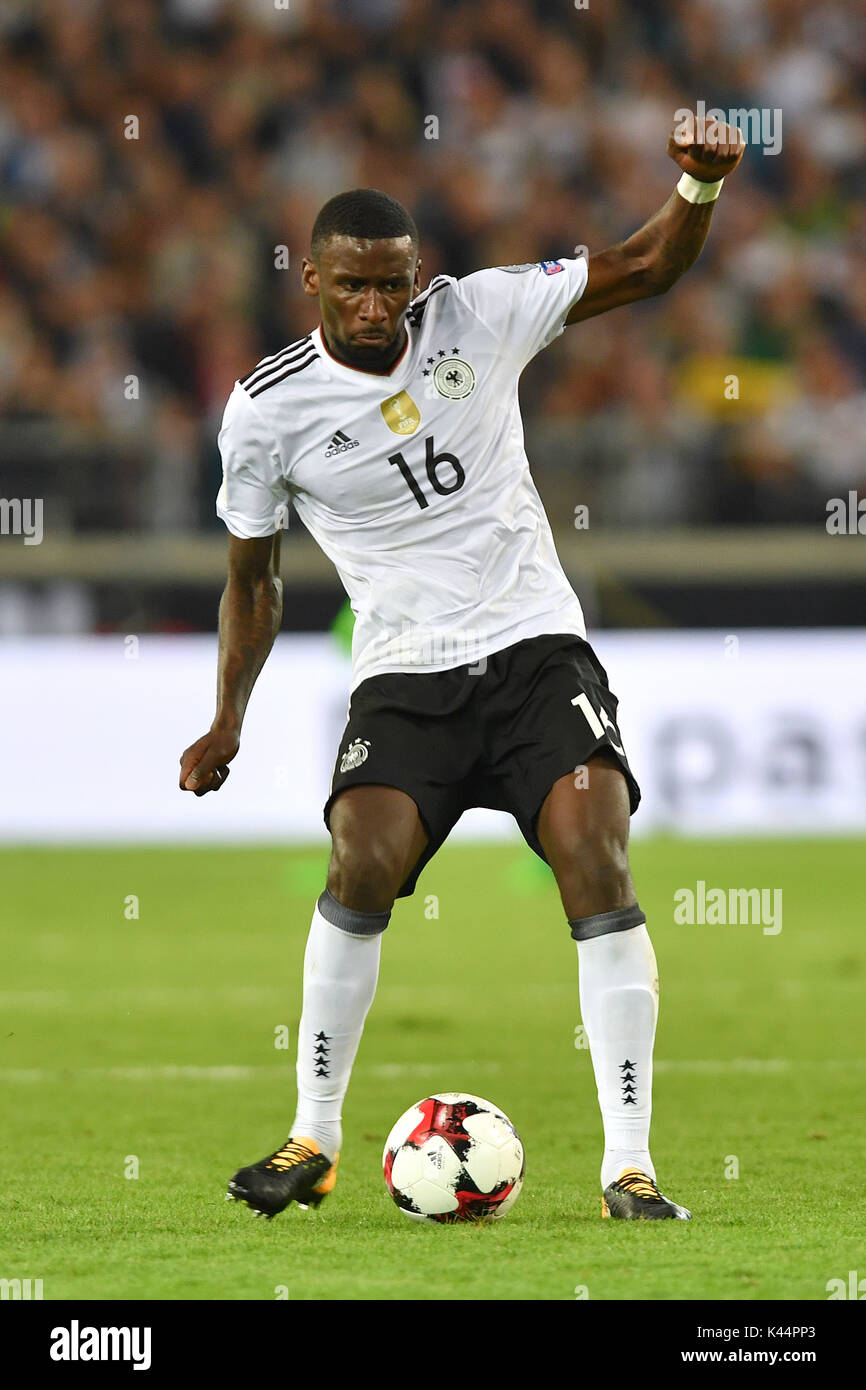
column 253, row 495
column 525, row 306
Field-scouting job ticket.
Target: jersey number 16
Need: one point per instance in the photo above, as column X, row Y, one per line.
column 434, row 461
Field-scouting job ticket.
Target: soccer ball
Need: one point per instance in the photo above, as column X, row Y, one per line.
column 454, row 1157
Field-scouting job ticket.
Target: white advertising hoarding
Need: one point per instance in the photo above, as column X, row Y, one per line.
column 762, row 732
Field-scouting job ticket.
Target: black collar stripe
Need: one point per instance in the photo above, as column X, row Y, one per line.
column 270, row 364
column 301, row 367
column 416, row 311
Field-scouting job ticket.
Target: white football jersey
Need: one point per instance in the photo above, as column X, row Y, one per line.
column 415, row 484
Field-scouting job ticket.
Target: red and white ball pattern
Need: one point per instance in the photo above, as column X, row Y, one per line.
column 454, row 1157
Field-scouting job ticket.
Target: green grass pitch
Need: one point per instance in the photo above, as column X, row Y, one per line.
column 147, row 1044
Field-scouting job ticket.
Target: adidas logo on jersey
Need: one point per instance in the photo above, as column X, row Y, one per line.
column 340, row 444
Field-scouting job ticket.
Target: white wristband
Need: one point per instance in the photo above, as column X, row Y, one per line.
column 695, row 191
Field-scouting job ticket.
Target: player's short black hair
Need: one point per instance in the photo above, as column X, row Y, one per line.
column 365, row 213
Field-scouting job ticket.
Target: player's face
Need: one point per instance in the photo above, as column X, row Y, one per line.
column 364, row 289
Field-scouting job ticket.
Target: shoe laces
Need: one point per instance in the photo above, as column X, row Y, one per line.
column 291, row 1154
column 640, row 1185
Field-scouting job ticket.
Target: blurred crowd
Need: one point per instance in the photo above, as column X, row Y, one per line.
column 156, row 154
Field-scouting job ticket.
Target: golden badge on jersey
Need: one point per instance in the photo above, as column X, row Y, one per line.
column 401, row 413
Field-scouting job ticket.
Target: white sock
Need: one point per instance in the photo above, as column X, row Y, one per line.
column 619, row 1002
column 341, row 970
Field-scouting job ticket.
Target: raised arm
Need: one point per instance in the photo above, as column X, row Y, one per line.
column 249, row 619
column 655, row 257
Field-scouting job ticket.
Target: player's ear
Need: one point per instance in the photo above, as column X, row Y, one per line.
column 416, row 288
column 310, row 278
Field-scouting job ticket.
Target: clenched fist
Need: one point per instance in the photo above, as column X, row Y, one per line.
column 204, row 765
column 707, row 149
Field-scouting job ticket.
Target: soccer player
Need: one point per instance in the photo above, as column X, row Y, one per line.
column 394, row 428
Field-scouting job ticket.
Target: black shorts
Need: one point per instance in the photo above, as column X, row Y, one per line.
column 497, row 733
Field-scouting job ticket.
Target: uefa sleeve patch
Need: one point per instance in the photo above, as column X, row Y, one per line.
column 551, row 267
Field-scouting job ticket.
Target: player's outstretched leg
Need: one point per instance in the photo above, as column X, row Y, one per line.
column 584, row 833
column 341, row 969
column 375, row 843
column 619, row 1006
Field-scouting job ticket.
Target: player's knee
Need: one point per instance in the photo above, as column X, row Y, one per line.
column 606, row 882
column 594, row 876
column 364, row 876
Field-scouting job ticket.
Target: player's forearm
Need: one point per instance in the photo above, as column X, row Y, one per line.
column 249, row 620
column 666, row 246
